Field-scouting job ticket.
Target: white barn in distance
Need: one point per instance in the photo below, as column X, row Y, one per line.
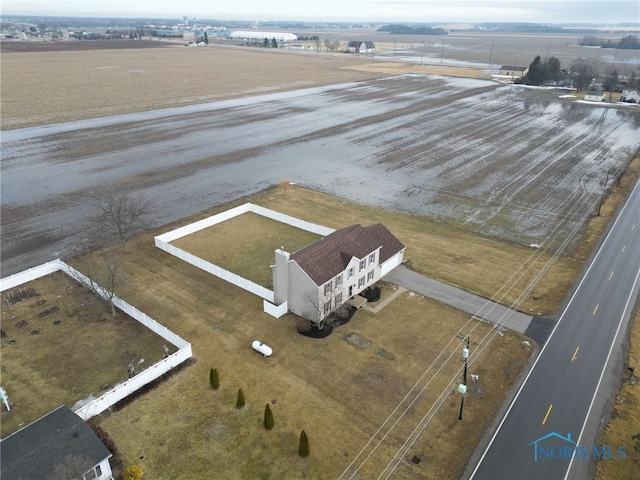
column 256, row 35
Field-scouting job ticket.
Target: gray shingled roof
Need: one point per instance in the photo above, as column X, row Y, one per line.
column 327, row 257
column 34, row 451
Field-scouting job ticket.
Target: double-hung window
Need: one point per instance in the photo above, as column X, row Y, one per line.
column 327, row 307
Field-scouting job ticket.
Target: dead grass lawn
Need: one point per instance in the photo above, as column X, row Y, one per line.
column 251, row 251
column 625, row 419
column 338, row 393
column 84, row 354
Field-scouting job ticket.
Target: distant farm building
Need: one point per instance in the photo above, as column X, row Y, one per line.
column 255, row 35
column 594, row 96
column 356, row 46
column 511, row 71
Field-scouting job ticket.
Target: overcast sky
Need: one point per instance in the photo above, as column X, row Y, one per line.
column 541, row 11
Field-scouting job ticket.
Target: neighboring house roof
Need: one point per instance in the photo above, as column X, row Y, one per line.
column 329, row 256
column 35, row 450
column 594, row 94
column 515, row 69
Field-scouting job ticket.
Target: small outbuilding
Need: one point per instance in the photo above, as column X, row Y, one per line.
column 513, row 71
column 57, row 445
column 595, row 96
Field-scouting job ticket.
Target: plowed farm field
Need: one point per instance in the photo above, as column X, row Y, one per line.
column 523, row 165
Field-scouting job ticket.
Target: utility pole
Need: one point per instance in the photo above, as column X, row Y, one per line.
column 604, row 189
column 491, row 53
column 613, row 67
column 462, row 388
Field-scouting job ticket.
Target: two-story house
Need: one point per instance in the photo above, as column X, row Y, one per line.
column 630, row 96
column 317, row 279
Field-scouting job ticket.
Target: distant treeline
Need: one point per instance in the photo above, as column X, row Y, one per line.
column 528, row 28
column 628, row 42
column 413, row 30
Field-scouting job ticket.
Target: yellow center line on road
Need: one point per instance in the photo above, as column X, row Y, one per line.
column 547, row 415
column 575, row 354
column 611, row 276
column 596, row 309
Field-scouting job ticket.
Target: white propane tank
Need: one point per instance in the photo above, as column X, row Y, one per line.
column 262, row 348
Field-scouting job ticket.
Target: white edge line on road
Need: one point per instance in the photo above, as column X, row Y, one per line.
column 606, row 363
column 551, row 335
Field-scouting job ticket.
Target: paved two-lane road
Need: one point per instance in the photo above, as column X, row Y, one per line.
column 564, row 395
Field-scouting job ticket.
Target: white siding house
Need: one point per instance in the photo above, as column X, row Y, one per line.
column 630, row 96
column 513, row 71
column 317, row 279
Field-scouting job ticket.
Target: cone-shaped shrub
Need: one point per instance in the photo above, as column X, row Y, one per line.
column 240, row 400
column 214, row 378
column 268, row 418
column 303, row 449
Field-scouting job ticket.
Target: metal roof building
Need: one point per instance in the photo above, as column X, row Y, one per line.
column 256, row 35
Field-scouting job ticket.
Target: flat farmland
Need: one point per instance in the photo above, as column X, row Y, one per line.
column 511, row 162
column 65, row 84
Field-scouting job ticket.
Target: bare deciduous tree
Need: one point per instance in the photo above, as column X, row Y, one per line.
column 102, row 276
column 584, row 70
column 120, row 214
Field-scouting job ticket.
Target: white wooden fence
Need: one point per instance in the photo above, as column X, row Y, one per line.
column 122, row 390
column 163, row 243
